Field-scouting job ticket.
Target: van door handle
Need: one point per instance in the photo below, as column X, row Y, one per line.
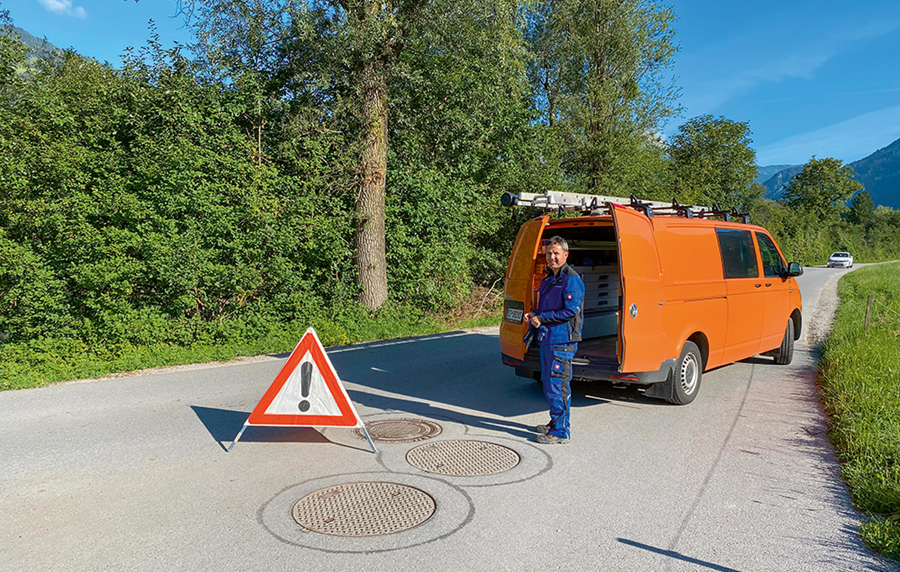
column 758, row 285
column 769, row 284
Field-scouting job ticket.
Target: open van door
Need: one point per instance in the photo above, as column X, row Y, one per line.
column 518, row 292
column 641, row 337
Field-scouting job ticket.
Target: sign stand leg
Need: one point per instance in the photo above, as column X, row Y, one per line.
column 369, row 439
column 236, row 439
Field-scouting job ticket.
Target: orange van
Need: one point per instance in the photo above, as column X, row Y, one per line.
column 669, row 292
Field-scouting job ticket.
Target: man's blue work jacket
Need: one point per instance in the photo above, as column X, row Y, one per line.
column 561, row 305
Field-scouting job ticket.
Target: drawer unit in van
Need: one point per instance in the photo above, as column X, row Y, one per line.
column 601, row 287
column 602, row 303
column 599, row 325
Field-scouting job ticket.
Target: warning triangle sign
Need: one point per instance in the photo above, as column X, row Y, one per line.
column 307, row 392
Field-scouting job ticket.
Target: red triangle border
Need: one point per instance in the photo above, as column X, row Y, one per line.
column 310, row 343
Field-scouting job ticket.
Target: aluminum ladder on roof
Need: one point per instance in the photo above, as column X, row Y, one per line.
column 562, row 201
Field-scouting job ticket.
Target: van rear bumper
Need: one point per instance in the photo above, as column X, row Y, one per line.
column 595, row 372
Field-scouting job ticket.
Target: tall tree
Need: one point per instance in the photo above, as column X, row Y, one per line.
column 821, row 189
column 712, row 162
column 599, row 77
column 369, row 36
column 862, row 209
column 377, row 33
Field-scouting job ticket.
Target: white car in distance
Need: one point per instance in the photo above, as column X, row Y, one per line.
column 842, row 259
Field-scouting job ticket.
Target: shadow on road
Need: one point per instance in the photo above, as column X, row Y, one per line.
column 676, row 555
column 456, row 376
column 224, row 424
column 429, row 410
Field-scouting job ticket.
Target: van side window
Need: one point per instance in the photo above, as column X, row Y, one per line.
column 773, row 265
column 738, row 253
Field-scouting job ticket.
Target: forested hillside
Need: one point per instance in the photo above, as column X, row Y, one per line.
column 879, row 173
column 323, row 166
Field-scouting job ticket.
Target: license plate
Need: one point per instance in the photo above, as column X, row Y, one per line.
column 514, row 315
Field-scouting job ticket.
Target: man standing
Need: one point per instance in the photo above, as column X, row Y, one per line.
column 560, row 311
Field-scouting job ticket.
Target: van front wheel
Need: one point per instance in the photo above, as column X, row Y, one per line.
column 688, row 371
column 785, row 353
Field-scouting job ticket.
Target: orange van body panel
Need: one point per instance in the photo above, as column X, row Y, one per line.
column 643, row 346
column 694, row 286
column 671, row 269
column 520, row 283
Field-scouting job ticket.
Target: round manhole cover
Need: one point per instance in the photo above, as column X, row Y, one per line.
column 463, row 458
column 363, row 509
column 399, row 430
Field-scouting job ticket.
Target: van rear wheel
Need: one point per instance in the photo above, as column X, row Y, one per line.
column 688, row 372
column 785, row 353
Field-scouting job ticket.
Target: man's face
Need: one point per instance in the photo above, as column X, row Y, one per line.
column 556, row 257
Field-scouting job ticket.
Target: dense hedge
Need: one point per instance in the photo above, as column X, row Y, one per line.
column 149, row 206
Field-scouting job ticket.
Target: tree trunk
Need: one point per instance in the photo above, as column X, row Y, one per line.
column 370, row 262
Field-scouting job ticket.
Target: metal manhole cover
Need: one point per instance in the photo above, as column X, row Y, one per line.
column 363, row 509
column 399, row 430
column 463, row 458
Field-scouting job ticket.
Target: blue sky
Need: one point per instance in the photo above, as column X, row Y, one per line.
column 810, row 77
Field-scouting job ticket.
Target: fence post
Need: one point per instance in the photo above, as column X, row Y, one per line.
column 868, row 312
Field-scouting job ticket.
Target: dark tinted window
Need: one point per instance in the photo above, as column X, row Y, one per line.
column 738, row 254
column 772, row 263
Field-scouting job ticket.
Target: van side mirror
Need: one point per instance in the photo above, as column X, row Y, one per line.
column 794, row 269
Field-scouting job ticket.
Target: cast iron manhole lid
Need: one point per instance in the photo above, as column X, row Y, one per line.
column 463, row 458
column 363, row 509
column 399, row 430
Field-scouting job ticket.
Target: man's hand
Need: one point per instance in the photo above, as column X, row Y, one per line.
column 533, row 319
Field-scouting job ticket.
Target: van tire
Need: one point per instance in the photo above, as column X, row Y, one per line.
column 785, row 353
column 687, row 374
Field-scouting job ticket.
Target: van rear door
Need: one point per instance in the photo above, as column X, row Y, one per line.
column 519, row 288
column 641, row 337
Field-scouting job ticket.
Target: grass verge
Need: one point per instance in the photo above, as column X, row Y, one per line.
column 37, row 363
column 860, row 379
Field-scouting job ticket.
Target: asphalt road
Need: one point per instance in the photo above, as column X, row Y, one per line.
column 132, row 473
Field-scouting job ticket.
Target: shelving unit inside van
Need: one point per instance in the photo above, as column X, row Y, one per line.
column 592, row 253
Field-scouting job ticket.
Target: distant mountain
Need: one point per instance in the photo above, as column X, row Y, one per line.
column 776, row 182
column 36, row 44
column 766, row 172
column 880, row 175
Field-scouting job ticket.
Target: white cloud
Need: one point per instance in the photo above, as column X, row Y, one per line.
column 64, row 7
column 848, row 140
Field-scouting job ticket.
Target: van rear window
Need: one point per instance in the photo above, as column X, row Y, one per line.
column 738, row 254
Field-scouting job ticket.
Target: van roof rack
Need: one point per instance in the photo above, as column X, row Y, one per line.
column 580, row 202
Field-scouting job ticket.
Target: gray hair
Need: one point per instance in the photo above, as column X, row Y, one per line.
column 560, row 241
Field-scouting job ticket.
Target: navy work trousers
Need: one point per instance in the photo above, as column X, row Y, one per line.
column 556, row 377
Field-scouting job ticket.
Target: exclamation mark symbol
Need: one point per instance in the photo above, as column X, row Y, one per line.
column 305, row 380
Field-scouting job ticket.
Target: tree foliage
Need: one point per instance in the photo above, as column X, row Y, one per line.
column 211, row 192
column 862, row 209
column 712, row 163
column 821, row 188
column 599, row 79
